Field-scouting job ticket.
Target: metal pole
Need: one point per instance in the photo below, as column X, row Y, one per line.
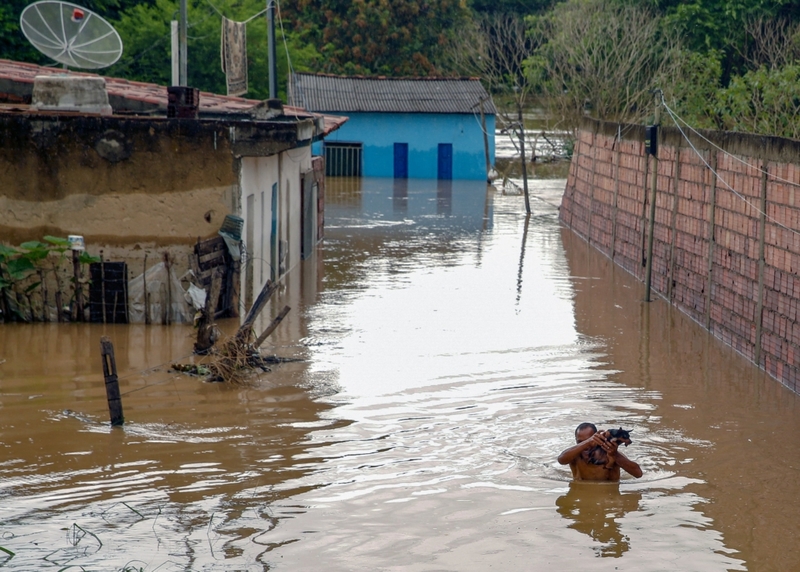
column 654, row 183
column 273, row 62
column 485, row 137
column 183, row 73
column 174, row 53
column 522, row 153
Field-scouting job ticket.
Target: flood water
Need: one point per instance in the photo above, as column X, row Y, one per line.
column 449, row 350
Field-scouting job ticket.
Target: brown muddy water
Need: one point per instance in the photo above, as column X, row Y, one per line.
column 449, row 352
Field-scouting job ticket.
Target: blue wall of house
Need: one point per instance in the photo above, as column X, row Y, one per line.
column 378, row 132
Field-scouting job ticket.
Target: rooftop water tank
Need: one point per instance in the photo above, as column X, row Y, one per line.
column 64, row 92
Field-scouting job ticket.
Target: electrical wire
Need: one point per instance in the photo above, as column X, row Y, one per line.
column 693, row 130
column 250, row 19
column 724, row 182
column 288, row 58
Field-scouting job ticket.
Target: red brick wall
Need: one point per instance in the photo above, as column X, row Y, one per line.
column 708, row 239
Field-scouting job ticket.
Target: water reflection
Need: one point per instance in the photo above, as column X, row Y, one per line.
column 597, row 511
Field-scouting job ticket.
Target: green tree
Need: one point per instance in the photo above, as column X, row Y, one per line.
column 764, row 101
column 722, row 25
column 520, row 7
column 388, row 37
column 602, row 58
column 145, row 31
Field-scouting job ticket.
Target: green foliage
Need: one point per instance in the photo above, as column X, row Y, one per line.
column 763, row 101
column 145, row 32
column 521, row 7
column 601, row 58
column 21, row 266
column 721, row 25
column 377, row 36
column 694, row 93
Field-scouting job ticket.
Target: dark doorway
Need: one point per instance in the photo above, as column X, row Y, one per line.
column 108, row 292
column 445, row 170
column 401, row 160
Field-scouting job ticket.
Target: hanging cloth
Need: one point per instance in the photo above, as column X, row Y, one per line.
column 234, row 56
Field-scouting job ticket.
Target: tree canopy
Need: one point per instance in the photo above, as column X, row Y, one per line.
column 723, row 63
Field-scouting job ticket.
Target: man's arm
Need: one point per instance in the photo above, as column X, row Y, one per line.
column 569, row 455
column 630, row 467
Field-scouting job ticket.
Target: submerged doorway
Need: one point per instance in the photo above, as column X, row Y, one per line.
column 445, row 162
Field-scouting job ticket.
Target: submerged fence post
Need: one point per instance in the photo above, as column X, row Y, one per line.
column 112, row 381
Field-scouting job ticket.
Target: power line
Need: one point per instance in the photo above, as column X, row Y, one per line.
column 717, row 175
column 742, row 161
column 251, row 18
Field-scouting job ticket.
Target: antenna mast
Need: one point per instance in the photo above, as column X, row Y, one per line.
column 273, row 65
column 183, row 69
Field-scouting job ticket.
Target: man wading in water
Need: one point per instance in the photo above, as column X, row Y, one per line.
column 578, row 457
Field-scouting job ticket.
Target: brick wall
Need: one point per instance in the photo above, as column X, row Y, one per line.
column 726, row 248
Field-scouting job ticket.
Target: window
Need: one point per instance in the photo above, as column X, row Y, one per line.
column 343, row 159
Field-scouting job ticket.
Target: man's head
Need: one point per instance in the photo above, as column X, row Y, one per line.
column 584, row 431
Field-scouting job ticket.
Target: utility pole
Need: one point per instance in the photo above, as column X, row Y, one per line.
column 654, row 184
column 522, row 153
column 183, row 74
column 273, row 63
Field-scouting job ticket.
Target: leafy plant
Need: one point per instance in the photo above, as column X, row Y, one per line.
column 23, row 270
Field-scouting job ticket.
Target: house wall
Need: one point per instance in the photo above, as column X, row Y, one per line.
column 258, row 174
column 112, row 180
column 726, row 248
column 138, row 190
column 378, row 132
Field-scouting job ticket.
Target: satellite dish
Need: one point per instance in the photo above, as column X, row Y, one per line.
column 70, row 34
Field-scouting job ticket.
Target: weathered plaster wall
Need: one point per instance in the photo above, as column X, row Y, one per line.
column 726, row 253
column 257, row 177
column 113, row 180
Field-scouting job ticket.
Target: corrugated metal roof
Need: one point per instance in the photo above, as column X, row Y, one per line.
column 329, row 93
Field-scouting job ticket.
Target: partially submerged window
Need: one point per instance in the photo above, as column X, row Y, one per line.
column 343, row 159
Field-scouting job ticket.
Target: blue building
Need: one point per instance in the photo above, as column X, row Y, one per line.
column 429, row 128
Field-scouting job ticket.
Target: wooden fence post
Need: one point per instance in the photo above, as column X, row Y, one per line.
column 271, row 328
column 617, row 156
column 112, row 382
column 762, row 225
column 674, row 224
column 76, row 271
column 711, row 241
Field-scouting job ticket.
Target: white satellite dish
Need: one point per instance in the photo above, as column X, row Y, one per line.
column 70, row 34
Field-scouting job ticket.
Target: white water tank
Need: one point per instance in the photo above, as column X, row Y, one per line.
column 64, row 92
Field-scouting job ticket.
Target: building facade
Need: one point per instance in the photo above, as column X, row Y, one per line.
column 441, row 128
column 145, row 189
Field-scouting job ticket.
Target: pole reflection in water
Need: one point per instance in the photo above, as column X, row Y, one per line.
column 422, row 428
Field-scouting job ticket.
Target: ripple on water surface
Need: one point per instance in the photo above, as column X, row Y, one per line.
column 448, row 360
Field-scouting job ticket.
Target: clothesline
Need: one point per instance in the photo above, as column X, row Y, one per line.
column 251, row 18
